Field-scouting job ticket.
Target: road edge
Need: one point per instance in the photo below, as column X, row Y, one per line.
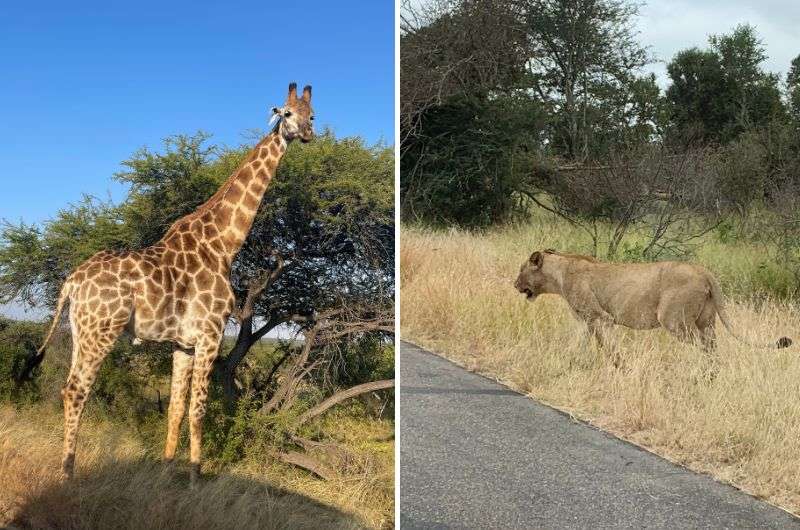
column 590, row 425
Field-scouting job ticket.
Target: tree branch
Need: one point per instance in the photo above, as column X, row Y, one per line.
column 306, row 462
column 342, row 396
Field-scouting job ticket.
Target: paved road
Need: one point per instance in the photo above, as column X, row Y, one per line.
column 476, row 455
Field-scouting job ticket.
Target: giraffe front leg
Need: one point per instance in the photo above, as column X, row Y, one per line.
column 182, row 365
column 205, row 355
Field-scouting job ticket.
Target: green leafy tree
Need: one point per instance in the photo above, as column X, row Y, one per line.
column 793, row 90
column 489, row 86
column 584, row 56
column 470, row 160
column 694, row 94
column 723, row 91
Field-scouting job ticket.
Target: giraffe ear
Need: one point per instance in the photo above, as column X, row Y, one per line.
column 307, row 93
column 292, row 91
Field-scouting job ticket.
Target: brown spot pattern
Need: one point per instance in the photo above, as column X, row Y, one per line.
column 176, row 290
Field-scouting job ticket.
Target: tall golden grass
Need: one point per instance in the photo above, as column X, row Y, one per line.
column 119, row 484
column 734, row 414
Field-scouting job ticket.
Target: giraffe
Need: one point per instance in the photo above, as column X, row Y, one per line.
column 177, row 290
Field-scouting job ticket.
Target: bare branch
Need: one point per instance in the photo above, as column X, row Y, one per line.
column 306, row 462
column 342, row 396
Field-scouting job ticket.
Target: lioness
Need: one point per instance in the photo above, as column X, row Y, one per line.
column 683, row 298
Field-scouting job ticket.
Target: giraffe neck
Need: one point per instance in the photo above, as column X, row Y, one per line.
column 221, row 225
column 238, row 199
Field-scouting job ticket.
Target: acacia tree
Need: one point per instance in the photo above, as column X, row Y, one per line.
column 325, row 227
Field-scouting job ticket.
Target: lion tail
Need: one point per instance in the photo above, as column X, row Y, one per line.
column 719, row 302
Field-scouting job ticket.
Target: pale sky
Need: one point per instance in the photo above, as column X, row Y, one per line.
column 670, row 26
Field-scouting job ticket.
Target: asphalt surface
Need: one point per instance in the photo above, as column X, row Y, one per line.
column 474, row 454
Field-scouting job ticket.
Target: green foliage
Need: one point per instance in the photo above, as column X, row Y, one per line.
column 633, row 252
column 35, row 260
column 168, row 185
column 246, row 433
column 17, row 340
column 697, row 80
column 369, row 359
column 470, row 160
column 127, row 384
column 725, row 232
column 721, row 92
column 775, row 280
column 740, row 171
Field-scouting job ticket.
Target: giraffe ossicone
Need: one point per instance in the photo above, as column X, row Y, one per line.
column 177, row 290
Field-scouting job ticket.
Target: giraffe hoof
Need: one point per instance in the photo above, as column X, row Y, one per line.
column 194, row 477
column 68, row 467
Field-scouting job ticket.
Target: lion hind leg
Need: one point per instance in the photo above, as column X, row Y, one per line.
column 705, row 324
column 678, row 313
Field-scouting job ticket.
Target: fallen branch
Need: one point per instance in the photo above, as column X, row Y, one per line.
column 332, row 451
column 305, row 462
column 342, row 396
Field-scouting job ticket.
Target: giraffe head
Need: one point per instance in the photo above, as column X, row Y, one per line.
column 296, row 116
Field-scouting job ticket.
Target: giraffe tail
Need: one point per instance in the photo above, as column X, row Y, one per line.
column 36, row 356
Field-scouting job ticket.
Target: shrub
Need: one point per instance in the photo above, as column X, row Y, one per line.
column 17, row 340
column 469, row 161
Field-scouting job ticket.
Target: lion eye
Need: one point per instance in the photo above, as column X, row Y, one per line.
column 287, row 113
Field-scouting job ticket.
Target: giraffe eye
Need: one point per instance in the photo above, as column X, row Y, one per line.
column 311, row 118
column 287, row 113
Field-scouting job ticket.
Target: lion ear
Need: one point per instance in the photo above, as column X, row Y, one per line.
column 536, row 259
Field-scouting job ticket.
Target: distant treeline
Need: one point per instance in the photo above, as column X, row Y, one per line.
column 507, row 104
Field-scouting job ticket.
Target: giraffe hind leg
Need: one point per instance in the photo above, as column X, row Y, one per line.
column 76, row 350
column 205, row 354
column 79, row 384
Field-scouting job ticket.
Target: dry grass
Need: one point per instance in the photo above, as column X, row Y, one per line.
column 734, row 414
column 119, row 486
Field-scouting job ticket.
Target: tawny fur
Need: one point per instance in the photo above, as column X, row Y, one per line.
column 683, row 298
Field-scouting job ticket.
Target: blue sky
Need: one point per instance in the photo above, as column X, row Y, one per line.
column 85, row 84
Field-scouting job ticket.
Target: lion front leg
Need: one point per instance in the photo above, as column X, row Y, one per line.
column 598, row 328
